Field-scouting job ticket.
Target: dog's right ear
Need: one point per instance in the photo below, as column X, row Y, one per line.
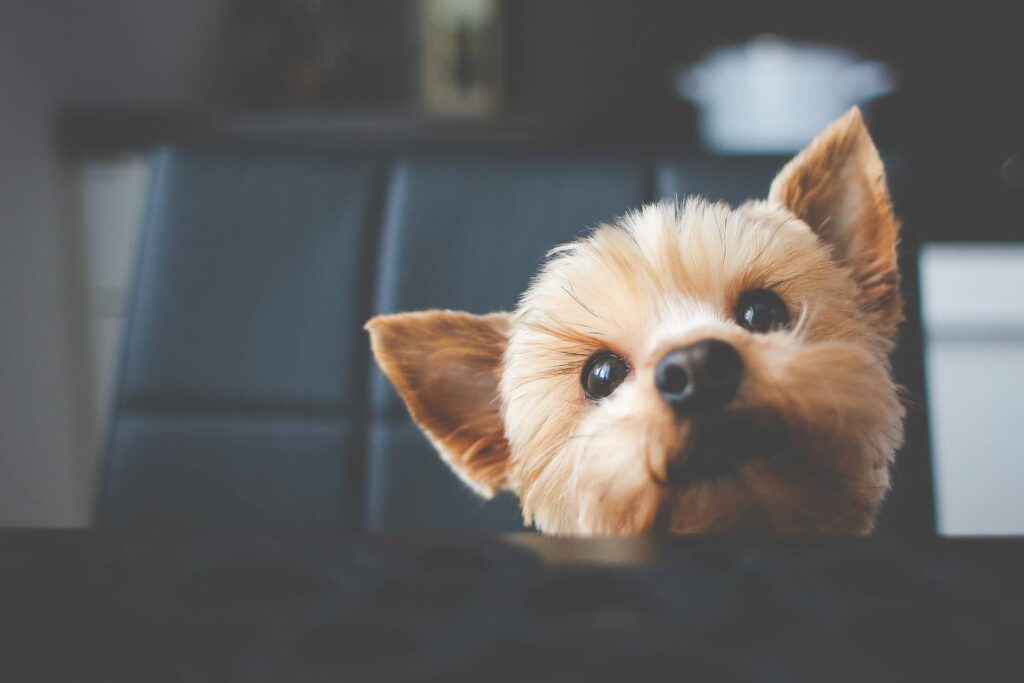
column 446, row 366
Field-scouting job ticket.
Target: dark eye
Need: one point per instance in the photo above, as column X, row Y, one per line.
column 761, row 310
column 603, row 373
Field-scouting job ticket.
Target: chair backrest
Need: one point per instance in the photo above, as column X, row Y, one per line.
column 248, row 401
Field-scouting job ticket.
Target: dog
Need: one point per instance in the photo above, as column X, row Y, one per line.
column 690, row 368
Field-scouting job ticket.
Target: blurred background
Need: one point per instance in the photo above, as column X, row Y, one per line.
column 93, row 90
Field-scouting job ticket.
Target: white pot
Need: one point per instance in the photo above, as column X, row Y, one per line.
column 773, row 96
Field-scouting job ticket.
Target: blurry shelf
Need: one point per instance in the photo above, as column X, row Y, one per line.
column 952, row 194
column 88, row 131
column 83, row 132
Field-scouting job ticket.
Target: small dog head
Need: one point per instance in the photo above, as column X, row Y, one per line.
column 691, row 368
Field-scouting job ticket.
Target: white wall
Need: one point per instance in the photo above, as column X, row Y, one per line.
column 973, row 298
column 53, row 53
column 108, row 203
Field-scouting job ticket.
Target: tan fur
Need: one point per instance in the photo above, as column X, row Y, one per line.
column 501, row 398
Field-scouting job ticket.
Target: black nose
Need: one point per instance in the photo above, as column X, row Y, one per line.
column 700, row 378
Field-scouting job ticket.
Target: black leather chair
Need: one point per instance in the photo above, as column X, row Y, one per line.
column 248, row 402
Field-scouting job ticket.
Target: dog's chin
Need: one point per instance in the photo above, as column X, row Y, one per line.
column 741, row 474
column 736, row 473
column 721, row 446
column 709, row 486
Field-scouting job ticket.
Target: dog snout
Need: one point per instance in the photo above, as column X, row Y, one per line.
column 699, row 378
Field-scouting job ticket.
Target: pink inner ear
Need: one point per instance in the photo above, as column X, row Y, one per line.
column 464, row 390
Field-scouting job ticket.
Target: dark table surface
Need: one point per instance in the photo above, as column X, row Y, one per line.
column 77, row 605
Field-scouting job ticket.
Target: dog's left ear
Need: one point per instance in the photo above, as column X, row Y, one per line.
column 837, row 186
column 446, row 366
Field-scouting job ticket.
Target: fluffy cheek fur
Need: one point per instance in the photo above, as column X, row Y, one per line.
column 597, row 479
column 845, row 422
column 596, row 469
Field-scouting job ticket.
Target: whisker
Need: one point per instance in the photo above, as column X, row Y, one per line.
column 771, row 239
column 783, row 281
column 824, row 224
column 569, row 290
column 655, row 476
column 807, row 313
column 721, row 232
